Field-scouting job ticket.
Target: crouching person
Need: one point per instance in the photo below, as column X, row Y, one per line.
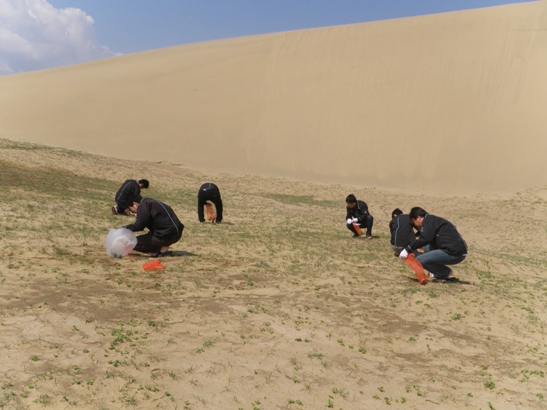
column 357, row 213
column 164, row 227
column 443, row 244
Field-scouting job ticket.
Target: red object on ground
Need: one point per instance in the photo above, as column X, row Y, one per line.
column 210, row 214
column 153, row 265
column 417, row 267
column 358, row 229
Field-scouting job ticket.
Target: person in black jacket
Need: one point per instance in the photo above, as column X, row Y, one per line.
column 443, row 244
column 357, row 213
column 402, row 231
column 129, row 192
column 209, row 192
column 164, row 228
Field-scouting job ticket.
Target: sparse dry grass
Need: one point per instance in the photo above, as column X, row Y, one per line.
column 276, row 308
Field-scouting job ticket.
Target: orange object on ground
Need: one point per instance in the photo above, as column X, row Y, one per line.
column 209, row 213
column 417, row 267
column 358, row 229
column 153, row 265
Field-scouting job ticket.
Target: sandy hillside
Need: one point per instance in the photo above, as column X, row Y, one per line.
column 448, row 103
column 275, row 308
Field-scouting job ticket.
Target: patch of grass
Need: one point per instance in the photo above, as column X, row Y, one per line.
column 301, row 200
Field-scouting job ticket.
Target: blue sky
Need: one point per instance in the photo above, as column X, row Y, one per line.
column 37, row 34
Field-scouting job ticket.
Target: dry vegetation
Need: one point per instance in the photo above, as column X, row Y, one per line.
column 277, row 308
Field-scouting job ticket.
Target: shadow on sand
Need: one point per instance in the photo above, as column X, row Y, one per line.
column 453, row 281
column 180, row 253
column 170, row 254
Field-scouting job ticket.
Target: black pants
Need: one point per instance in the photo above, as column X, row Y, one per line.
column 369, row 221
column 121, row 207
column 148, row 243
column 213, row 196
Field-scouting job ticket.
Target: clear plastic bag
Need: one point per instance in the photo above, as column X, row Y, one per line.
column 119, row 242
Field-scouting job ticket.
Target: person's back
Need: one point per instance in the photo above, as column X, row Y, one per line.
column 442, row 234
column 402, row 231
column 156, row 217
column 129, row 192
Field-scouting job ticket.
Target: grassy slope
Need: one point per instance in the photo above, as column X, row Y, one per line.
column 276, row 308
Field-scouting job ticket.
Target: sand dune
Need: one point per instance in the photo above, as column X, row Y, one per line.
column 450, row 103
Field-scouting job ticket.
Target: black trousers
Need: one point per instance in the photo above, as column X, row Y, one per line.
column 213, row 196
column 149, row 243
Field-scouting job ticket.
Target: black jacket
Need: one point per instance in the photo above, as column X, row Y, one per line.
column 359, row 211
column 402, row 231
column 128, row 193
column 440, row 234
column 158, row 218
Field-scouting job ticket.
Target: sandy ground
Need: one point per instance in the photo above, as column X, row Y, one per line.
column 277, row 307
column 447, row 103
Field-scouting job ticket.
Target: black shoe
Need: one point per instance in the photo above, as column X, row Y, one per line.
column 355, row 235
column 448, row 278
column 445, row 280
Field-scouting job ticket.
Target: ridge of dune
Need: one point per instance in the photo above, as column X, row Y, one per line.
column 451, row 103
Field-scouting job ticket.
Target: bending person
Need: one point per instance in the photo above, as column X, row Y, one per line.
column 209, row 192
column 164, row 228
column 129, row 192
column 402, row 231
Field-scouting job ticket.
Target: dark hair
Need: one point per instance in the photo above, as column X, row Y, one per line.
column 396, row 212
column 350, row 199
column 144, row 183
column 416, row 212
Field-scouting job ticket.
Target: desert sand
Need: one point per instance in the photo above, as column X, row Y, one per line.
column 278, row 307
column 447, row 103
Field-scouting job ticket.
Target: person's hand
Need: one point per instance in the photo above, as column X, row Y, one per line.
column 403, row 254
column 349, row 221
column 355, row 220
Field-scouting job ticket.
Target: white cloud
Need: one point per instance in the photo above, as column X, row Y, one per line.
column 34, row 35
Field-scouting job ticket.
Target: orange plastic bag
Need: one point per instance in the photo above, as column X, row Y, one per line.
column 417, row 267
column 153, row 265
column 210, row 213
column 358, row 229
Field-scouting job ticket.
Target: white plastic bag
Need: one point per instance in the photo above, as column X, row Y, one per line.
column 119, row 242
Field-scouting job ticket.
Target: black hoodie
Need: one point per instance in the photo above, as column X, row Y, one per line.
column 402, row 231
